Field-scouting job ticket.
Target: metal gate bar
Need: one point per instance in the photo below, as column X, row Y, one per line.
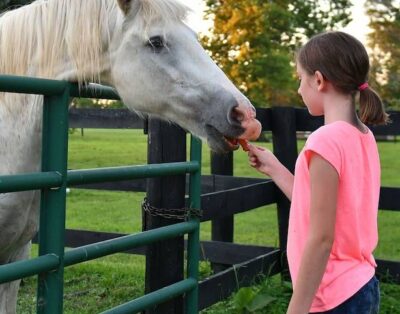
column 156, row 297
column 30, row 181
column 53, row 201
column 100, row 249
column 53, row 179
column 22, row 269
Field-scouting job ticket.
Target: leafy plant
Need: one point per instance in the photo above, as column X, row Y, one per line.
column 205, row 269
column 250, row 300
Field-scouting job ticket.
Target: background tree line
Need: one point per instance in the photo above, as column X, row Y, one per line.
column 254, row 41
column 385, row 44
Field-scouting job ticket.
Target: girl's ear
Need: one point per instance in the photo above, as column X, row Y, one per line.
column 320, row 80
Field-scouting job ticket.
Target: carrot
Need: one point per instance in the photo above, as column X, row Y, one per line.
column 244, row 144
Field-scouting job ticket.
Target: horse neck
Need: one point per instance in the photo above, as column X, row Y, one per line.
column 21, row 115
column 20, row 136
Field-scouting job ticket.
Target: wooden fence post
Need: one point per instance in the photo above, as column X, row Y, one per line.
column 222, row 229
column 285, row 149
column 164, row 260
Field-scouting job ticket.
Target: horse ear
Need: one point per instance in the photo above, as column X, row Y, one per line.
column 125, row 5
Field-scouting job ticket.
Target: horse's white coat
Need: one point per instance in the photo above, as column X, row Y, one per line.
column 94, row 40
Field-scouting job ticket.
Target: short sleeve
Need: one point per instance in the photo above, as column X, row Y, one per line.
column 327, row 145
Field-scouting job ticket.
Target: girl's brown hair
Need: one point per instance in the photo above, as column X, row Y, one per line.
column 344, row 62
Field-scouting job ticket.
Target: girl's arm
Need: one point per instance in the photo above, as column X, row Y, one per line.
column 324, row 190
column 284, row 179
column 265, row 162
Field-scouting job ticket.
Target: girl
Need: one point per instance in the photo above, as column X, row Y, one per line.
column 335, row 190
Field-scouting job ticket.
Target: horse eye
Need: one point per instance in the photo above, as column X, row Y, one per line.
column 157, row 43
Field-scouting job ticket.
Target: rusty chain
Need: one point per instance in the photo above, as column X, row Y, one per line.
column 174, row 213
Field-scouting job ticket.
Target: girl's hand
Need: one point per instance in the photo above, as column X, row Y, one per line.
column 262, row 159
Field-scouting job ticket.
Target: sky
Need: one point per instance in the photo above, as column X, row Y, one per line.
column 358, row 27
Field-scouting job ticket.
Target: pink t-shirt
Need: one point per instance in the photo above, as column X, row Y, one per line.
column 351, row 265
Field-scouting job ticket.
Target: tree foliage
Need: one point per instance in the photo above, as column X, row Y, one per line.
column 254, row 41
column 385, row 43
column 7, row 4
column 96, row 103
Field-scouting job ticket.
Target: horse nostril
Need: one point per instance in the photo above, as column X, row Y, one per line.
column 237, row 115
column 241, row 113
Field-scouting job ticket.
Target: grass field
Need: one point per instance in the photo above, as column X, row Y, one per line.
column 95, row 286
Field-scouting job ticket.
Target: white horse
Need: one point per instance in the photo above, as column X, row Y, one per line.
column 140, row 47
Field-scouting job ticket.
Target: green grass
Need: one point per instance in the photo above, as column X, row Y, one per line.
column 95, row 286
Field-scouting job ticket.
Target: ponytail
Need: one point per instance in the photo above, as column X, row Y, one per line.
column 371, row 108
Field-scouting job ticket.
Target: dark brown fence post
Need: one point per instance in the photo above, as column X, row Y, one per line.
column 285, row 148
column 164, row 260
column 222, row 229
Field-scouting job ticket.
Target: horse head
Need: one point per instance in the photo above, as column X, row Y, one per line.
column 159, row 67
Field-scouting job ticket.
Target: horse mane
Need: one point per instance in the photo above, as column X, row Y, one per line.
column 35, row 38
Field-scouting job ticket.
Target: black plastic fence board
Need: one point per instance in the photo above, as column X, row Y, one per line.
column 215, row 182
column 105, row 119
column 389, row 199
column 126, row 119
column 388, row 271
column 222, row 229
column 231, row 253
column 237, row 200
column 389, row 196
column 305, row 122
column 209, row 183
column 392, row 128
column 264, row 115
column 138, row 185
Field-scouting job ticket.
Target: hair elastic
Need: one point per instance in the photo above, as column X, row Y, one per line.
column 363, row 86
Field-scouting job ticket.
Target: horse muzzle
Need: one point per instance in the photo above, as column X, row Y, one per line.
column 242, row 125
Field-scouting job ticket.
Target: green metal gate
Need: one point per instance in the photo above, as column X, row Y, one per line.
column 53, row 181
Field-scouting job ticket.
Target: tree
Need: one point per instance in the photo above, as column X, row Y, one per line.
column 254, row 41
column 6, row 4
column 97, row 103
column 385, row 43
